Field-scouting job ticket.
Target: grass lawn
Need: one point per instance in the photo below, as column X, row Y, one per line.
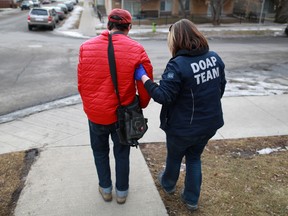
column 236, row 179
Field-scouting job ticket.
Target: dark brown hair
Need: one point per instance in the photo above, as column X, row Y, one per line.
column 185, row 35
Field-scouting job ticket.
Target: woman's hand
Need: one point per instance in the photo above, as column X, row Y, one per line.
column 139, row 72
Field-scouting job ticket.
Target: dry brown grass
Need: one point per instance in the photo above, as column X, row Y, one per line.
column 236, row 180
column 13, row 169
column 10, row 175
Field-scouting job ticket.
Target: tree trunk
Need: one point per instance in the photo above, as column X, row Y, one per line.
column 216, row 6
column 182, row 8
column 282, row 12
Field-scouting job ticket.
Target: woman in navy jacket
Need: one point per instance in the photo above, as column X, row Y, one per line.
column 190, row 92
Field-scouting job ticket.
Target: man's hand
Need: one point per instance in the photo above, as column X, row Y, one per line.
column 139, row 72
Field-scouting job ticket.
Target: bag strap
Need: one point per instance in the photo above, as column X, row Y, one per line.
column 112, row 65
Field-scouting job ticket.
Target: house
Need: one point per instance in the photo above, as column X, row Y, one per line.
column 7, row 4
column 164, row 8
column 251, row 9
column 195, row 10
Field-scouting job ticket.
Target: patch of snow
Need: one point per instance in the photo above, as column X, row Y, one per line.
column 70, row 22
column 47, row 106
column 269, row 150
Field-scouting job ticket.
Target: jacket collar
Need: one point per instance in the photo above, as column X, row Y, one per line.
column 116, row 32
column 197, row 52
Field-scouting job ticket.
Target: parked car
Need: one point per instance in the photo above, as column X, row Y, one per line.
column 26, row 5
column 69, row 5
column 60, row 12
column 36, row 3
column 42, row 17
column 46, row 2
column 63, row 7
column 53, row 10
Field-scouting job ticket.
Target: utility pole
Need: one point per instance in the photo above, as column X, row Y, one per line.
column 261, row 13
column 122, row 4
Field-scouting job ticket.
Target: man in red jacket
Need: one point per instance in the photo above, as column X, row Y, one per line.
column 100, row 101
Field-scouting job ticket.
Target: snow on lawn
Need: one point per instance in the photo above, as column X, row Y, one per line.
column 68, row 28
column 270, row 150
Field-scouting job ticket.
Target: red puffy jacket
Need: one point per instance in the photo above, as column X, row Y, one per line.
column 94, row 80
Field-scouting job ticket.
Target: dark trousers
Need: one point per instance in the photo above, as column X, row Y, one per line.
column 191, row 148
column 99, row 137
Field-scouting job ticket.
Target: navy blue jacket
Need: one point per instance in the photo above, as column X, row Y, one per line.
column 190, row 92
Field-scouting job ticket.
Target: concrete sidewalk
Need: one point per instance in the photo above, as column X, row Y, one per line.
column 249, row 116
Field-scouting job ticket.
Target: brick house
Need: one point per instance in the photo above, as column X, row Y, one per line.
column 160, row 8
column 7, row 4
column 195, row 10
column 253, row 8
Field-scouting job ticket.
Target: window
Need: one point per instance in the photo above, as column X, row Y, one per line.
column 133, row 7
column 39, row 12
column 166, row 5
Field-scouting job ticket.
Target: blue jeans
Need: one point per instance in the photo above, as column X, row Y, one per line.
column 99, row 137
column 191, row 148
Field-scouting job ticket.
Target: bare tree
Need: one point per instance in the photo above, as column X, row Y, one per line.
column 216, row 9
column 183, row 11
column 281, row 11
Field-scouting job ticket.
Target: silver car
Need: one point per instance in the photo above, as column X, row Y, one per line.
column 63, row 7
column 42, row 17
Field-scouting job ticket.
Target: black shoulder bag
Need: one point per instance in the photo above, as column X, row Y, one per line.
column 131, row 122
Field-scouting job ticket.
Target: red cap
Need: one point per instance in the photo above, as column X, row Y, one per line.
column 124, row 15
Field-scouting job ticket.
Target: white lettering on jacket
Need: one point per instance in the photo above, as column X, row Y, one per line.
column 205, row 70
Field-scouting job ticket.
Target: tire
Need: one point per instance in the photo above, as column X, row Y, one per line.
column 51, row 28
column 30, row 28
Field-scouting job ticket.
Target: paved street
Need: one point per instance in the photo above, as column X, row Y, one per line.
column 46, row 68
